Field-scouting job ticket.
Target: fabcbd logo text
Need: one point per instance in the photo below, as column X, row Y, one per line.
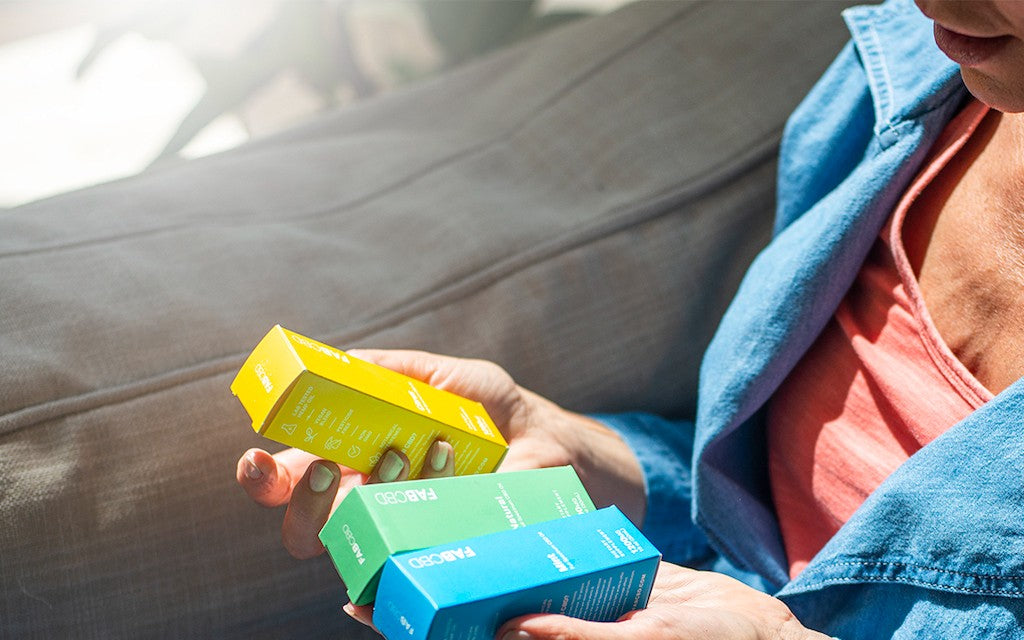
column 351, row 539
column 401, row 497
column 449, row 555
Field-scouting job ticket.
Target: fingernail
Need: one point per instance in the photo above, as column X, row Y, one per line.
column 320, row 478
column 517, row 634
column 252, row 471
column 349, row 609
column 390, row 466
column 438, row 456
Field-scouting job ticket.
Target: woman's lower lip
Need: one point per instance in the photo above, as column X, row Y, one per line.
column 968, row 51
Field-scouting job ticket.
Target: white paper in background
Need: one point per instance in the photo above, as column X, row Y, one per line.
column 59, row 133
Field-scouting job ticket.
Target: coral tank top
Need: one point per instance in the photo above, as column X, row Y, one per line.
column 877, row 385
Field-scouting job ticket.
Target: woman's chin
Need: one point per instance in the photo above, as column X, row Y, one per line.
column 1008, row 98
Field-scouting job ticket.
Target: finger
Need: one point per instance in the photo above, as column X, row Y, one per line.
column 311, row 503
column 551, row 627
column 393, row 467
column 440, row 461
column 269, row 479
column 262, row 479
column 428, row 367
column 479, row 380
column 361, row 613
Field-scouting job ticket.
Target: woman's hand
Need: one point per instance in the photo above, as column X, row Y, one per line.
column 539, row 433
column 685, row 605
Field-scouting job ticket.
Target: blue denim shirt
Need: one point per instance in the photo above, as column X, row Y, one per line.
column 937, row 551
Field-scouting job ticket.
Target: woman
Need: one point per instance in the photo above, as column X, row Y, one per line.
column 856, row 449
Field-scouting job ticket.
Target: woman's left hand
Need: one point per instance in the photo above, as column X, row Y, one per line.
column 685, row 604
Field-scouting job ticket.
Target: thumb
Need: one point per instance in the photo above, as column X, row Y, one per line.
column 422, row 365
column 551, row 627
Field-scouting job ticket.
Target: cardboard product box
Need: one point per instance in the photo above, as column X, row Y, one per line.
column 309, row 395
column 376, row 521
column 595, row 566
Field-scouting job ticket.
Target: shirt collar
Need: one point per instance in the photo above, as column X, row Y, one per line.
column 907, row 73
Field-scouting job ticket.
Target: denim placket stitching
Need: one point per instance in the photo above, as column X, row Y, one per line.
column 910, row 580
column 878, row 77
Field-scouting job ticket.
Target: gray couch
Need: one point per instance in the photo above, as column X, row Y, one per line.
column 578, row 208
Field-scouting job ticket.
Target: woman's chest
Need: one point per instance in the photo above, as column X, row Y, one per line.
column 965, row 241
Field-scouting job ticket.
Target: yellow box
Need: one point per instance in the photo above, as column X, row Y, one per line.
column 309, row 395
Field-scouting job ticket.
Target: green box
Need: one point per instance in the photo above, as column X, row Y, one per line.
column 375, row 521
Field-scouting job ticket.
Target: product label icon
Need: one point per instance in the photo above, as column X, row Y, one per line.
column 354, row 451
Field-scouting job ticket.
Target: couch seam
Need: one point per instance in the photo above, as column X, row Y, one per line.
column 652, row 208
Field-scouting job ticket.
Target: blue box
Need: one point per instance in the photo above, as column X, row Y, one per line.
column 595, row 566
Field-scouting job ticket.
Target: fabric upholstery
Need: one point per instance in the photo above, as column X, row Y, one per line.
column 578, row 208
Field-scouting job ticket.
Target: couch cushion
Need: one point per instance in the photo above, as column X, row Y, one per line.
column 578, row 208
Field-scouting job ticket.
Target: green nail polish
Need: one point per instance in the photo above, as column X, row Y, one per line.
column 439, row 456
column 252, row 470
column 320, row 478
column 390, row 467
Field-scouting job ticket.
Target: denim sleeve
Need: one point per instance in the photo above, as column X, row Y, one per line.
column 664, row 448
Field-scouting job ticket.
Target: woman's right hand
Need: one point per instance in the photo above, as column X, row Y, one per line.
column 539, row 433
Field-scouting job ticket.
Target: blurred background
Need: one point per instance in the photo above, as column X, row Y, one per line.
column 94, row 90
